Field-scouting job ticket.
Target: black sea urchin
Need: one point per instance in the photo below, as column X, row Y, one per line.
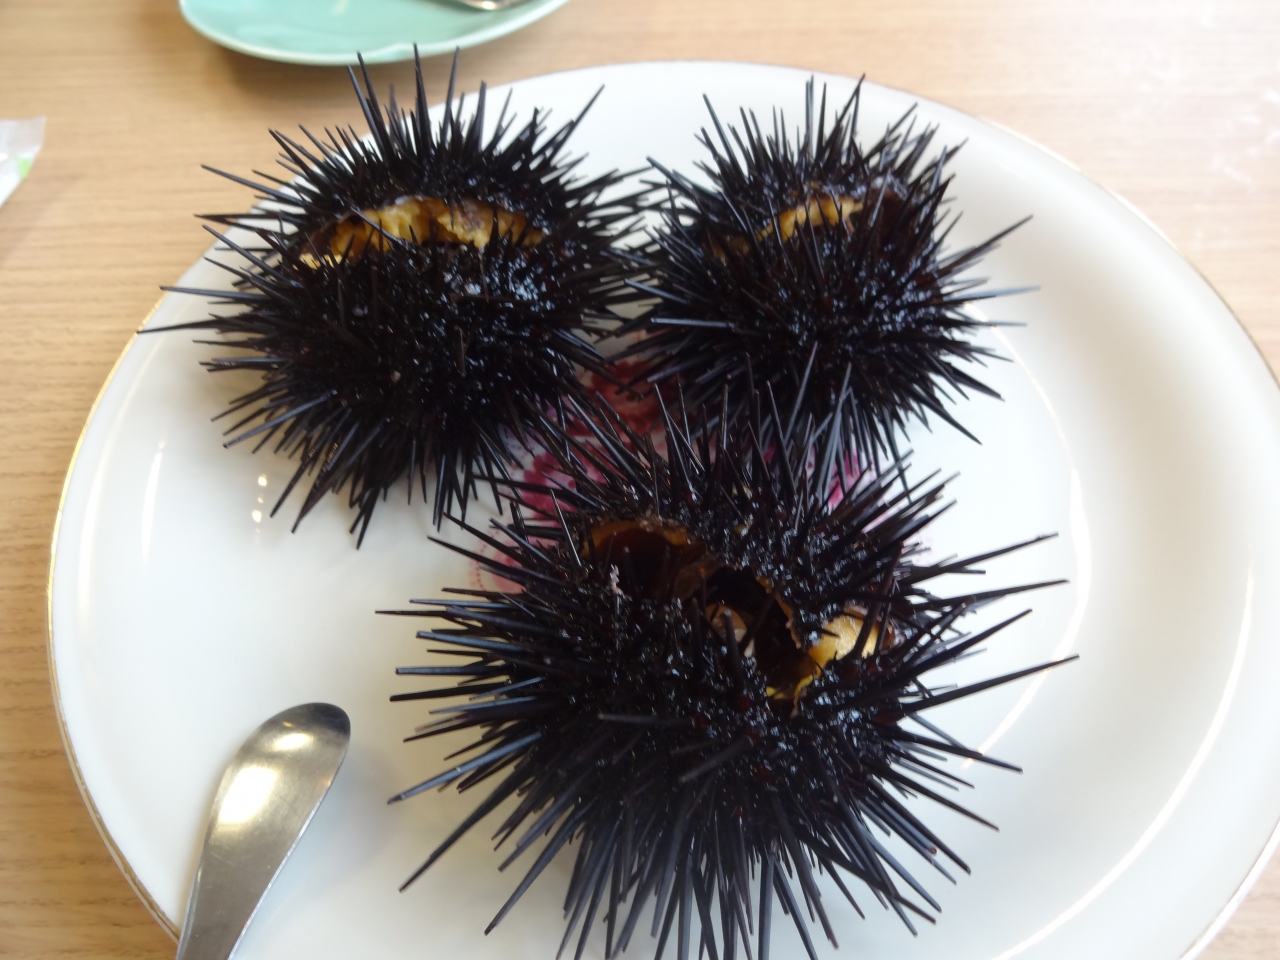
column 712, row 668
column 421, row 297
column 818, row 267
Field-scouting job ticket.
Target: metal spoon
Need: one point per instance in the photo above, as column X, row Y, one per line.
column 265, row 800
column 491, row 4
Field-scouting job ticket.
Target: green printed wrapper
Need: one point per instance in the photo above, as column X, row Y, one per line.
column 20, row 141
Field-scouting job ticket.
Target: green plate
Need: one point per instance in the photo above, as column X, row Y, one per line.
column 333, row 31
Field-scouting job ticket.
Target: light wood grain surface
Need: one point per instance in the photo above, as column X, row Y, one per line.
column 1174, row 104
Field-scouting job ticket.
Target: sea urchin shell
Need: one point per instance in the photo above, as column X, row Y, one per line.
column 414, row 301
column 819, row 267
column 712, row 667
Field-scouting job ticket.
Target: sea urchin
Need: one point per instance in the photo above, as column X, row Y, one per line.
column 819, row 267
column 712, row 667
column 415, row 300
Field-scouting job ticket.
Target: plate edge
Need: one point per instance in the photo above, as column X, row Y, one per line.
column 135, row 883
column 1259, row 865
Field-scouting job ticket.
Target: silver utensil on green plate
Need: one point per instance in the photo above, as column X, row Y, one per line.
column 265, row 800
column 491, row 4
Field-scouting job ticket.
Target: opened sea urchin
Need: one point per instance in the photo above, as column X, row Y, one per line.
column 713, row 668
column 415, row 300
column 819, row 267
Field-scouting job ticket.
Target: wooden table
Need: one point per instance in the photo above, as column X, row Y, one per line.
column 1174, row 104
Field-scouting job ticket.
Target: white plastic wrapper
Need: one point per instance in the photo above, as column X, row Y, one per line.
column 20, row 141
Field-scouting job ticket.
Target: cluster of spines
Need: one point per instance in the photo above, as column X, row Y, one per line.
column 416, row 357
column 405, row 155
column 817, row 266
column 626, row 717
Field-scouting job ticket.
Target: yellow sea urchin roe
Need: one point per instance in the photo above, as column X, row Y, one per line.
column 665, row 559
column 840, row 637
column 820, row 209
column 422, row 219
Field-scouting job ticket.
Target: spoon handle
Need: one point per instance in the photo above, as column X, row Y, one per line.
column 491, row 4
column 264, row 802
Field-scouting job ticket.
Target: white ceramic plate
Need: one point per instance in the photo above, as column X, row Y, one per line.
column 1140, row 423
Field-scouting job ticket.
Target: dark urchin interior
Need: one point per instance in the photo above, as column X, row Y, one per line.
column 817, row 266
column 391, row 352
column 661, row 688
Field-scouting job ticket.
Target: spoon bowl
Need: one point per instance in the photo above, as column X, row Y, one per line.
column 266, row 799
